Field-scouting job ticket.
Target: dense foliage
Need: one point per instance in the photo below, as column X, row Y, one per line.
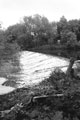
column 36, row 31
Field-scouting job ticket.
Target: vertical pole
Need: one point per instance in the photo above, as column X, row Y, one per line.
column 68, row 72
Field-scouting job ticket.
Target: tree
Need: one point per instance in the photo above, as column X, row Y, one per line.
column 74, row 26
column 61, row 26
column 72, row 38
column 2, row 40
column 68, row 37
column 25, row 41
column 14, row 31
column 42, row 29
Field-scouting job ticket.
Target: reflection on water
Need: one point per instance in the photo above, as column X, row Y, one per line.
column 29, row 68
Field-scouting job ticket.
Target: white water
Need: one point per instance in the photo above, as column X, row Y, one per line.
column 35, row 67
column 4, row 89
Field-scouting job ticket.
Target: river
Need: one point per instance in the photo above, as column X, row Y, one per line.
column 26, row 69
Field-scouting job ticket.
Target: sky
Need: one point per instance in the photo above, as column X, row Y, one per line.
column 12, row 11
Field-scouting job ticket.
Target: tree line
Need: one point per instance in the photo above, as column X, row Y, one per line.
column 35, row 31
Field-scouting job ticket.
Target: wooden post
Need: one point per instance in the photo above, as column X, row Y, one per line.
column 69, row 69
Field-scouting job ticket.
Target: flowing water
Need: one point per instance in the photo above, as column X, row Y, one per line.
column 27, row 68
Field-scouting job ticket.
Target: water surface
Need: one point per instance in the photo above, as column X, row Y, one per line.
column 28, row 68
column 35, row 67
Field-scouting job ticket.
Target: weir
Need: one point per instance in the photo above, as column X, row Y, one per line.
column 34, row 67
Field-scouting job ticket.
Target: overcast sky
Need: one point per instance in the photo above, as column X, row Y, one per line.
column 11, row 11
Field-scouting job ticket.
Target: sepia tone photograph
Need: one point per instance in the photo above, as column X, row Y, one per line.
column 39, row 60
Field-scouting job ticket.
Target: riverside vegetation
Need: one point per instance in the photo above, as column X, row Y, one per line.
column 56, row 98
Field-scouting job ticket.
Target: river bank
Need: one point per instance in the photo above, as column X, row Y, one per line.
column 52, row 98
column 58, row 50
